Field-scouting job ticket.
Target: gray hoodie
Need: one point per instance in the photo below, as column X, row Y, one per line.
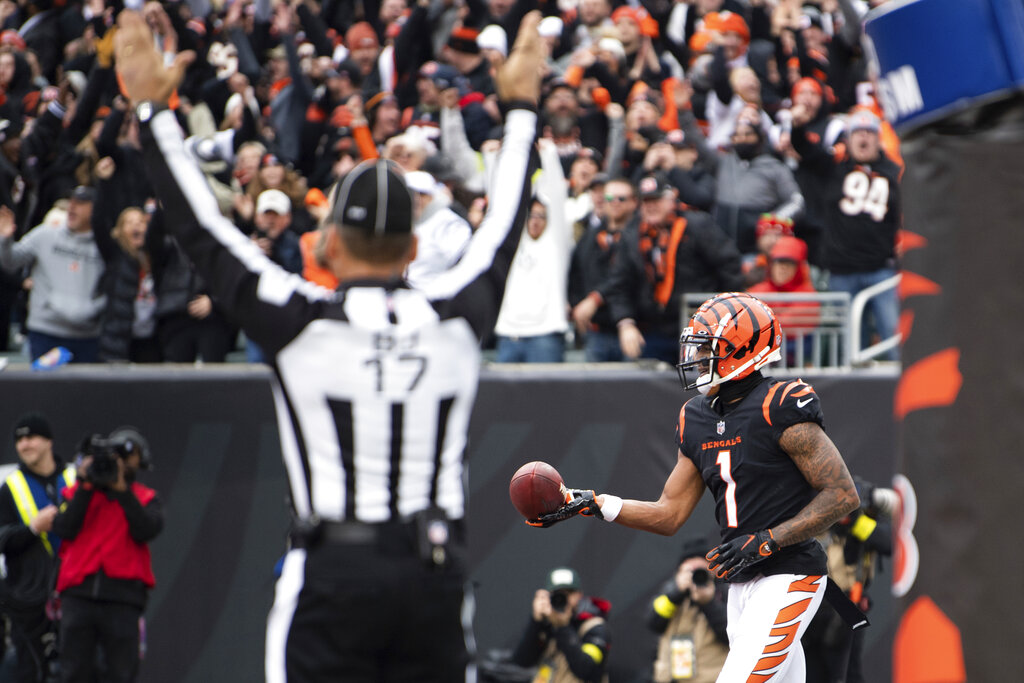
column 66, row 267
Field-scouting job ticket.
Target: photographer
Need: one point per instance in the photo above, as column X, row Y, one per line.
column 690, row 615
column 567, row 637
column 28, row 505
column 106, row 573
column 855, row 546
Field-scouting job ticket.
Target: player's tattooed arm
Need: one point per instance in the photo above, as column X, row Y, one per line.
column 824, row 469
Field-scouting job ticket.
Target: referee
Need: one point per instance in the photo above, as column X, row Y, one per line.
column 374, row 387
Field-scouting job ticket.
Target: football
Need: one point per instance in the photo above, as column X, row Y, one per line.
column 536, row 489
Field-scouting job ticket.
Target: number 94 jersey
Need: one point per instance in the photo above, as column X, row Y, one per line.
column 755, row 483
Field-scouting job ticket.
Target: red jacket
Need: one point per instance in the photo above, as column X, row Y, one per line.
column 793, row 315
column 104, row 543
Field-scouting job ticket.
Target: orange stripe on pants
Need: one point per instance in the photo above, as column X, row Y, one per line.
column 791, row 612
column 805, row 585
column 788, row 634
column 776, row 653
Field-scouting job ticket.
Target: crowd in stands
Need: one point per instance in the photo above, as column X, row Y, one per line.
column 685, row 146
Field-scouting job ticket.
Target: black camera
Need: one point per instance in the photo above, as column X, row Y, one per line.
column 102, row 471
column 559, row 601
column 105, row 451
column 876, row 501
column 701, row 577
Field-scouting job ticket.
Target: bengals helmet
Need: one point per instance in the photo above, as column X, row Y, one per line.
column 729, row 337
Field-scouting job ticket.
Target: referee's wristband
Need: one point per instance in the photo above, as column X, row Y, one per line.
column 505, row 106
column 611, row 507
column 147, row 109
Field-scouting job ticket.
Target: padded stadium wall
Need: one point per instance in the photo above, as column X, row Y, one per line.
column 950, row 74
column 959, row 402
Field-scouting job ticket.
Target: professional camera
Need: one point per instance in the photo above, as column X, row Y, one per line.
column 876, row 500
column 559, row 601
column 122, row 442
column 102, row 471
column 701, row 577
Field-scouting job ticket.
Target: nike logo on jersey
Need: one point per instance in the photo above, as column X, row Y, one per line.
column 801, row 404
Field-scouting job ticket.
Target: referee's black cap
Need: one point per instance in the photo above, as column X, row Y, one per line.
column 373, row 196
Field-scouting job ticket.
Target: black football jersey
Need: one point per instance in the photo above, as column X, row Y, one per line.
column 755, row 483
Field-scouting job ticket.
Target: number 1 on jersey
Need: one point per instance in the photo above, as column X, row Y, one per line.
column 724, row 463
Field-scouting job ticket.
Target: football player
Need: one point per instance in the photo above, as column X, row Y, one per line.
column 758, row 445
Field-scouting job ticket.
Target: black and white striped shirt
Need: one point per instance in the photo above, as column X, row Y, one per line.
column 375, row 382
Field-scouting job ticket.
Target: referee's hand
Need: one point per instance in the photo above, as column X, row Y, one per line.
column 140, row 65
column 519, row 77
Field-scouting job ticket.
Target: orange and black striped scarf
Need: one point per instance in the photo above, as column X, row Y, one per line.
column 658, row 248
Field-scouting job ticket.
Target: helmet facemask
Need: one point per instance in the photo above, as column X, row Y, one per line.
column 698, row 360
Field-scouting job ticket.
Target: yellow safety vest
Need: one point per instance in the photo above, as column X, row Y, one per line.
column 26, row 502
column 688, row 650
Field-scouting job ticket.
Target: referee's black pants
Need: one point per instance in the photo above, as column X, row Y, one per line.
column 372, row 612
column 110, row 626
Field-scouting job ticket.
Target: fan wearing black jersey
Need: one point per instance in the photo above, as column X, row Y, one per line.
column 373, row 383
column 778, row 481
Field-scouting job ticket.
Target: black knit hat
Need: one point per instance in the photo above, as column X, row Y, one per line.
column 373, row 197
column 32, row 424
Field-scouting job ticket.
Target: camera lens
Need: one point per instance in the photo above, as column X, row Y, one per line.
column 701, row 577
column 559, row 601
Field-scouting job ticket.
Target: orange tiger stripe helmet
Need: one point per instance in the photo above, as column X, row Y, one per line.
column 729, row 337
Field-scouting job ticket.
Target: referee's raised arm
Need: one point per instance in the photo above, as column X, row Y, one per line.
column 269, row 303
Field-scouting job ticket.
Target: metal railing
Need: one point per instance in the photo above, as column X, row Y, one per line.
column 859, row 356
column 819, row 329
